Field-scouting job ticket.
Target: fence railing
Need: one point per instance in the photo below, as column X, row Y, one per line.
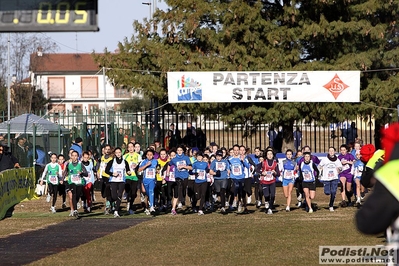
column 122, row 126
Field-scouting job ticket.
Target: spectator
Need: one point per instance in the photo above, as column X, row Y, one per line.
column 7, row 160
column 21, row 151
column 77, row 146
column 175, row 139
column 351, row 133
column 190, row 139
column 297, row 139
column 278, row 141
column 120, row 137
column 137, row 132
column 272, row 134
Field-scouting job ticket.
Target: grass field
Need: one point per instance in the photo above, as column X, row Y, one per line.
column 213, row 239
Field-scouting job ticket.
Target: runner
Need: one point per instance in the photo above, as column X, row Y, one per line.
column 220, row 172
column 61, row 186
column 173, row 188
column 308, row 172
column 345, row 176
column 182, row 165
column 248, row 177
column 288, row 173
column 200, row 169
column 253, row 159
column 331, row 167
column 131, row 182
column 357, row 171
column 161, row 190
column 117, row 170
column 149, row 166
column 74, row 174
column 237, row 164
column 105, row 187
column 89, row 180
column 268, row 172
column 52, row 174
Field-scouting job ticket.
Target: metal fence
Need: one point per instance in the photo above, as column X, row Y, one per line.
column 121, row 126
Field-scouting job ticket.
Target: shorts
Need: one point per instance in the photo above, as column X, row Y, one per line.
column 309, row 185
column 219, row 184
column 348, row 178
column 286, row 182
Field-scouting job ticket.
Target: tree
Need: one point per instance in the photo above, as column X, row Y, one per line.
column 135, row 104
column 268, row 35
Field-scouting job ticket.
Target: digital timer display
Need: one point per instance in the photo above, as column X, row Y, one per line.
column 48, row 15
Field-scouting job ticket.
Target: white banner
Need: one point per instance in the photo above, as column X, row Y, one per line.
column 272, row 86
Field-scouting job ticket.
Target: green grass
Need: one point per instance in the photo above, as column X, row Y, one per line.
column 213, row 239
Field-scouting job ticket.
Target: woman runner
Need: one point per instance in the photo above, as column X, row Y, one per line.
column 52, row 173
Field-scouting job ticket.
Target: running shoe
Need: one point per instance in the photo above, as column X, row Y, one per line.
column 116, row 214
column 48, row 198
column 64, row 205
column 200, row 212
column 131, row 212
column 287, row 209
column 128, row 206
column 142, row 197
column 258, row 204
column 299, row 198
column 53, row 209
column 344, row 204
column 146, row 211
column 173, row 212
column 331, row 209
column 179, row 206
column 152, row 210
column 249, row 200
column 88, row 210
column 222, row 210
column 239, row 208
column 71, row 214
column 234, row 204
column 207, row 205
column 269, row 211
column 299, row 204
column 310, row 210
column 267, row 206
column 106, row 212
column 226, row 205
column 76, row 214
column 78, row 205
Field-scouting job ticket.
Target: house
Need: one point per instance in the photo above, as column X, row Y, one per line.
column 74, row 83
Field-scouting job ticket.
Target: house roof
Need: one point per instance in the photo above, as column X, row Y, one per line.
column 48, row 63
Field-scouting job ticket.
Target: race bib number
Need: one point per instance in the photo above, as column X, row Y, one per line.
column 331, row 174
column 237, row 170
column 181, row 164
column 191, row 177
column 209, row 178
column 201, row 174
column 150, row 173
column 220, row 166
column 307, row 176
column 269, row 176
column 53, row 179
column 76, row 179
column 289, row 174
column 172, row 177
column 102, row 166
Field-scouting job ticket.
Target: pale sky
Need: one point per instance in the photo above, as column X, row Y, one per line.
column 115, row 20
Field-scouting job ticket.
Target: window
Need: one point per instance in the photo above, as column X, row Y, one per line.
column 93, row 108
column 122, row 92
column 89, row 87
column 58, row 109
column 78, row 112
column 56, row 87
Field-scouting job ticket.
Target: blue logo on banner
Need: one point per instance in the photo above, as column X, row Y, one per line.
column 189, row 90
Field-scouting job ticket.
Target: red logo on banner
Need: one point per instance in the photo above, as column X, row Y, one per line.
column 336, row 86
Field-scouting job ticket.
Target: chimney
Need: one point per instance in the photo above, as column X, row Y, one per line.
column 39, row 51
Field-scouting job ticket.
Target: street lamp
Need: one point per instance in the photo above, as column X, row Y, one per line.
column 149, row 5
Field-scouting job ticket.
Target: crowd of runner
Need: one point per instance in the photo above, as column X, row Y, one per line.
column 213, row 179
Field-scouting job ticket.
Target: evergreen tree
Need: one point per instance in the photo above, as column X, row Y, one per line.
column 238, row 35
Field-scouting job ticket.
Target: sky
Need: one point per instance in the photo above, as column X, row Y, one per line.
column 115, row 20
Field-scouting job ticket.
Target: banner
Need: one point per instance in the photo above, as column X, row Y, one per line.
column 272, row 86
column 15, row 186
